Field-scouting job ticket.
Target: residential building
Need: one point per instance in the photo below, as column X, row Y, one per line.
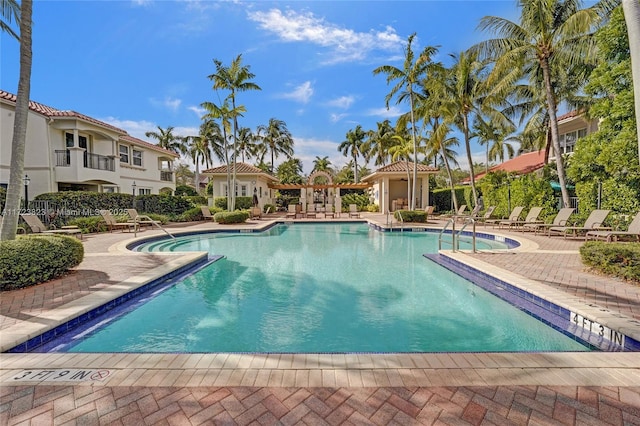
column 69, row 151
column 250, row 181
column 571, row 127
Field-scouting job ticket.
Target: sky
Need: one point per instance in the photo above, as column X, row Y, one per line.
column 140, row 64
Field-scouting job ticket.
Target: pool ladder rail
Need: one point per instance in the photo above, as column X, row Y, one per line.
column 390, row 222
column 455, row 235
column 154, row 222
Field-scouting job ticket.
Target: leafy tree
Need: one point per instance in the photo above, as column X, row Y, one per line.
column 167, row 140
column 276, row 139
column 608, row 156
column 16, row 170
column 632, row 17
column 354, row 146
column 184, row 175
column 379, row 141
column 290, row 171
column 552, row 35
column 486, row 131
column 247, row 143
column 322, row 164
column 408, row 78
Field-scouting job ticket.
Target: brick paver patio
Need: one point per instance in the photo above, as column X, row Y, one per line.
column 572, row 389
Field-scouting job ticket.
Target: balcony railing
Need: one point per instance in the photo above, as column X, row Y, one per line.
column 90, row 161
column 99, row 162
column 166, row 176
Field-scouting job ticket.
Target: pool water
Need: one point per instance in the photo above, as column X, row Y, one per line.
column 321, row 288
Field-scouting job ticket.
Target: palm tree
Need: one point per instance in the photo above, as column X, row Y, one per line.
column 631, row 10
column 487, row 132
column 167, row 140
column 10, row 11
column 379, row 142
column 552, row 35
column 246, row 142
column 16, row 170
column 322, row 164
column 353, row 146
column 234, row 78
column 408, row 77
column 203, row 147
column 275, row 138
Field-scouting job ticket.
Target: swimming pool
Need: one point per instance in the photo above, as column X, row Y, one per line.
column 318, row 288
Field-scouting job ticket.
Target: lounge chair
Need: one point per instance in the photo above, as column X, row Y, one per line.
column 37, row 227
column 486, row 216
column 140, row 219
column 593, row 223
column 311, row 211
column 561, row 219
column 473, row 214
column 353, row 211
column 293, row 211
column 428, row 211
column 112, row 223
column 206, row 213
column 515, row 215
column 328, row 211
column 532, row 217
column 609, row 236
column 460, row 211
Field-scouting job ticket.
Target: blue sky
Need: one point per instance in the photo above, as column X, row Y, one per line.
column 141, row 64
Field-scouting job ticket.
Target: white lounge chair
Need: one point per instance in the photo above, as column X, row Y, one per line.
column 633, row 231
column 593, row 223
column 560, row 219
column 37, row 227
column 532, row 217
column 140, row 219
column 515, row 215
column 353, row 211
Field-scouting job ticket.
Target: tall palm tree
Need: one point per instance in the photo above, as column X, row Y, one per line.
column 486, row 132
column 234, row 78
column 275, row 138
column 202, row 148
column 10, row 11
column 408, row 78
column 551, row 35
column 246, row 143
column 631, row 10
column 167, row 140
column 16, row 170
column 322, row 164
column 353, row 146
column 379, row 141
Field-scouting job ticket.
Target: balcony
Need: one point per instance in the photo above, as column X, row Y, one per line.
column 89, row 161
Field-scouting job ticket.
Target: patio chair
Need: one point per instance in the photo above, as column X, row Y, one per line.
column 206, row 213
column 532, row 217
column 515, row 215
column 486, row 216
column 428, row 211
column 610, row 236
column 593, row 223
column 141, row 219
column 560, row 219
column 311, row 211
column 112, row 223
column 353, row 211
column 37, row 227
column 292, row 212
column 328, row 211
column 474, row 213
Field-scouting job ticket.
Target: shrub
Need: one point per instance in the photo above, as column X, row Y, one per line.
column 361, row 200
column 237, row 216
column 163, row 204
column 89, row 224
column 242, row 203
column 619, row 259
column 32, row 259
column 269, row 207
column 373, row 208
column 411, row 215
column 185, row 190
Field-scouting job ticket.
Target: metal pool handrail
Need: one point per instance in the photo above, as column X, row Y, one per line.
column 135, row 228
column 467, row 221
column 455, row 236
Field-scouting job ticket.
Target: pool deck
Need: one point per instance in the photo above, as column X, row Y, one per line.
column 259, row 389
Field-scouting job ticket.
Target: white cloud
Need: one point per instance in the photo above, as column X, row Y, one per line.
column 337, row 117
column 344, row 45
column 308, row 149
column 137, row 129
column 168, row 102
column 301, row 93
column 199, row 111
column 391, row 112
column 343, row 102
column 141, row 2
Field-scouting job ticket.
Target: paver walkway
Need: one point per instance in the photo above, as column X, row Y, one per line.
column 573, row 389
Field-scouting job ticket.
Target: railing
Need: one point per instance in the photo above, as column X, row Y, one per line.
column 467, row 221
column 166, row 176
column 153, row 222
column 455, row 235
column 99, row 162
column 451, row 221
column 63, row 158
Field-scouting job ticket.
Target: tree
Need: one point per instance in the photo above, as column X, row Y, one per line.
column 12, row 203
column 552, row 35
column 487, row 132
column 184, row 175
column 246, row 143
column 167, row 140
column 402, row 151
column 322, row 164
column 632, row 17
column 234, row 78
column 201, row 148
column 409, row 77
column 379, row 141
column 10, row 11
column 290, row 171
column 353, row 146
column 275, row 138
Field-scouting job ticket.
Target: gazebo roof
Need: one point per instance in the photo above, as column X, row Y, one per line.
column 241, row 169
column 400, row 167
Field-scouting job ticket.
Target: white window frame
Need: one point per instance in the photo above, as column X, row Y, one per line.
column 136, row 155
column 144, row 191
column 126, row 154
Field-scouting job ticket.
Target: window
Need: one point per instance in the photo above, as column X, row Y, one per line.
column 243, row 190
column 137, row 158
column 110, row 189
column 69, row 139
column 124, row 154
column 144, row 191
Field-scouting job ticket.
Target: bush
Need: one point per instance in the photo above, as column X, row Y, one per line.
column 361, row 200
column 271, row 208
column 237, row 216
column 89, row 224
column 185, row 190
column 31, row 260
column 411, row 215
column 164, row 204
column 618, row 259
column 242, row 203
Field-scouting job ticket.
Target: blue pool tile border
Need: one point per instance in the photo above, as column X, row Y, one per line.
column 60, row 330
column 555, row 316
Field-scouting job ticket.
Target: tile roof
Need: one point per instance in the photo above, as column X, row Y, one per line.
column 401, row 166
column 241, row 168
column 522, row 164
column 56, row 113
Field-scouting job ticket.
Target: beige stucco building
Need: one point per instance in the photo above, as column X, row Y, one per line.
column 250, row 181
column 66, row 150
column 571, row 127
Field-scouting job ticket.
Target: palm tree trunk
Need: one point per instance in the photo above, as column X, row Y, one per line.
column 197, row 176
column 553, row 121
column 465, row 124
column 415, row 151
column 12, row 205
column 631, row 10
column 355, row 166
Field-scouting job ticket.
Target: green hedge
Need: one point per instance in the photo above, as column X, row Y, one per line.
column 237, row 216
column 32, row 259
column 441, row 198
column 615, row 259
column 411, row 215
column 361, row 200
column 242, row 203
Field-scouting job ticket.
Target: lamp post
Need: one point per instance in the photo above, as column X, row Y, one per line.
column 26, row 180
column 133, row 192
column 508, row 194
